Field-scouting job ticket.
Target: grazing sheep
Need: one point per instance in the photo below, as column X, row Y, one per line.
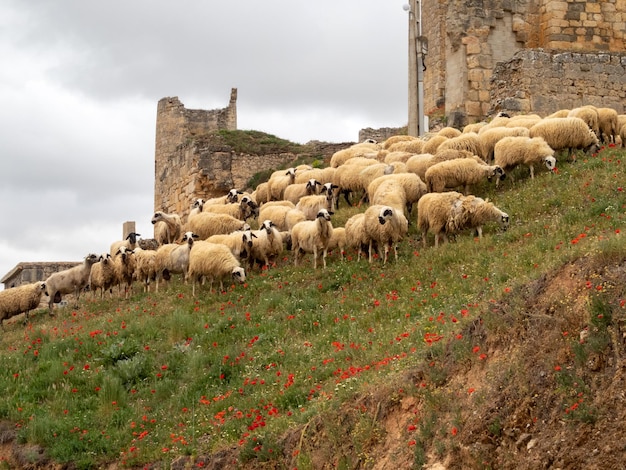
column 471, row 212
column 413, row 146
column 355, row 234
column 145, row 270
column 432, row 145
column 129, row 242
column 522, row 120
column 266, row 244
column 392, row 157
column 237, row 242
column 385, row 227
column 459, row 172
column 449, row 132
column 244, row 210
column 621, row 126
column 261, row 194
column 213, row 261
column 323, row 175
column 490, row 138
column 295, row 191
column 102, row 275
column 206, row 224
column 607, row 125
column 501, row 120
column 172, row 258
column 167, row 227
column 513, row 151
column 338, row 241
column 21, row 299
column 357, row 150
column 311, row 205
column 433, row 213
column 469, row 141
column 369, row 174
column 125, row 266
column 278, row 181
column 418, row 164
column 568, row 133
column 414, row 188
column 312, row 236
column 69, row 281
column 397, row 138
column 561, row 113
column 474, row 127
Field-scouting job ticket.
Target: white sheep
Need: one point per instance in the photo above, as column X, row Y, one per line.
column 145, row 270
column 561, row 113
column 449, row 132
column 471, row 213
column 21, row 299
column 206, row 224
column 469, row 141
column 385, row 227
column 418, row 164
column 607, row 125
column 129, row 242
column 459, row 172
column 69, row 281
column 278, row 181
column 589, row 114
column 338, row 241
column 311, row 205
column 355, row 234
column 347, row 177
column 125, row 266
column 167, row 227
column 392, row 157
column 243, row 210
column 357, row 150
column 213, row 261
column 281, row 215
column 490, row 137
column 389, row 193
column 261, row 193
column 510, row 152
column 568, row 133
column 474, row 127
column 237, row 242
column 295, row 191
column 312, row 236
column 433, row 213
column 173, row 258
column 323, row 175
column 414, row 188
column 397, row 138
column 102, row 275
column 266, row 244
column 413, row 146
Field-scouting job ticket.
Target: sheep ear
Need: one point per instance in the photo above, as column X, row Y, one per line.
column 330, row 213
column 253, row 235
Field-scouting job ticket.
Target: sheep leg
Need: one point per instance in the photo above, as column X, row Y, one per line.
column 314, row 257
column 370, row 251
column 324, row 257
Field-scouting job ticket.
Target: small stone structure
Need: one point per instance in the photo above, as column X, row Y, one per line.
column 28, row 272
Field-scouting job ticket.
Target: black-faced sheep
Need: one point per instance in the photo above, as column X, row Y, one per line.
column 568, row 133
column 129, row 242
column 312, row 236
column 237, row 242
column 21, row 299
column 167, row 227
column 69, row 281
column 278, row 181
column 385, row 227
column 295, row 191
column 243, row 210
column 459, row 172
column 213, row 261
column 266, row 244
column 323, row 175
column 513, row 151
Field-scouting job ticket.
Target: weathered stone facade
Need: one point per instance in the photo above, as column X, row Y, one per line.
column 468, row 39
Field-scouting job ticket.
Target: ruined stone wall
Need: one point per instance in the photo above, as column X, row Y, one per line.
column 542, row 82
column 468, row 38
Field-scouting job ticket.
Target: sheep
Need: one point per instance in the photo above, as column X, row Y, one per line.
column 21, row 299
column 347, row 176
column 244, row 210
column 167, row 227
column 433, row 213
column 566, row 134
column 522, row 120
column 213, row 261
column 357, row 150
column 490, row 137
column 129, row 242
column 312, row 236
column 471, row 212
column 173, row 258
column 512, row 151
column 125, row 266
column 206, row 224
column 413, row 146
column 237, row 242
column 323, row 175
column 102, row 275
column 311, row 205
column 261, row 194
column 459, row 172
column 390, row 193
column 230, row 197
column 368, row 174
column 282, row 216
column 69, row 281
column 561, row 113
column 338, row 241
column 607, row 125
column 355, row 234
column 448, row 132
column 397, row 157
column 397, row 138
column 474, row 127
column 418, row 164
column 332, row 192
column 501, row 120
column 385, row 227
column 414, row 187
column 432, row 144
column 145, row 270
column 621, row 126
column 469, row 141
column 279, row 181
column 295, row 191
column 266, row 244
column 589, row 114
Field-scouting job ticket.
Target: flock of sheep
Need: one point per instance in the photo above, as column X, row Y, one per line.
column 293, row 209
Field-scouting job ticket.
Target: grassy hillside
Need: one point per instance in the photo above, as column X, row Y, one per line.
column 507, row 352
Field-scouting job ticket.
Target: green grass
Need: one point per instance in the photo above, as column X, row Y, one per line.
column 163, row 375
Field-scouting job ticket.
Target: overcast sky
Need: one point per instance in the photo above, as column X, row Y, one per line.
column 80, row 82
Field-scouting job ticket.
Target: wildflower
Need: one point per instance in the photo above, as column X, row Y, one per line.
column 454, row 431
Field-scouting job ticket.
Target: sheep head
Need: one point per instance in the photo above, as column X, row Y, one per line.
column 198, row 203
column 550, row 162
column 239, row 274
column 233, row 195
column 385, row 214
column 504, row 221
column 189, row 237
column 157, row 217
column 132, row 237
column 324, row 214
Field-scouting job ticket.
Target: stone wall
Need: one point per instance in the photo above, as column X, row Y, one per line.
column 542, row 82
column 468, row 38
